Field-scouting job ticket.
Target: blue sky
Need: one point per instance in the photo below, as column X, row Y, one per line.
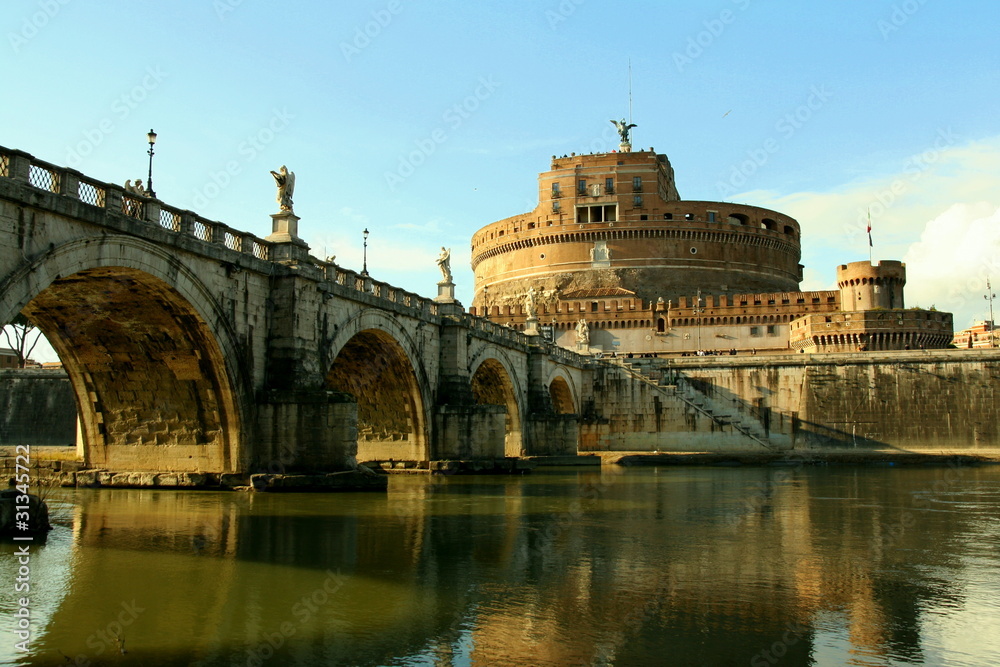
column 424, row 121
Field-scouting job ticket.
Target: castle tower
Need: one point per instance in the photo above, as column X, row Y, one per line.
column 866, row 286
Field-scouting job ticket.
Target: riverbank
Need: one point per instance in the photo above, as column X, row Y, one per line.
column 57, row 466
column 839, row 457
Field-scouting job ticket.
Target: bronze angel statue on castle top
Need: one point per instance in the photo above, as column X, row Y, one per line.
column 623, row 129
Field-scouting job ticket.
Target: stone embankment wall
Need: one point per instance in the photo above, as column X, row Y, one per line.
column 36, row 408
column 630, row 412
column 913, row 400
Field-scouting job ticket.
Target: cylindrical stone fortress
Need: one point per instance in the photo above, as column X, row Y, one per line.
column 615, row 220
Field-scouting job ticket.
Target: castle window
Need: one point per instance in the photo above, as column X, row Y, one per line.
column 644, row 217
column 768, row 223
column 637, row 184
column 668, row 216
column 609, row 186
column 555, row 190
column 772, row 330
column 593, row 307
column 581, row 186
column 754, row 331
column 711, row 216
column 689, row 216
column 637, row 201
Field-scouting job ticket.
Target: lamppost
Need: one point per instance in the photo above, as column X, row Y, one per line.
column 989, row 296
column 698, row 310
column 364, row 267
column 151, row 136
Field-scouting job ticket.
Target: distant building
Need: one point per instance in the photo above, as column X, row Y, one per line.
column 612, row 243
column 8, row 358
column 979, row 335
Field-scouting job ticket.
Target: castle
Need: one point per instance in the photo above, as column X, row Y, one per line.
column 613, row 261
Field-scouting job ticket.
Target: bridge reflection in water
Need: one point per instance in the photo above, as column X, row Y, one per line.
column 653, row 566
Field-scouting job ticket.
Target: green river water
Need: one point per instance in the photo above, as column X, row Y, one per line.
column 614, row 566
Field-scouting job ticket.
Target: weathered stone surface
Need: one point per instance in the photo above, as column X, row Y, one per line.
column 27, row 393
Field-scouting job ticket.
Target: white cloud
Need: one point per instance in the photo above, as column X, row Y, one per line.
column 937, row 212
column 950, row 264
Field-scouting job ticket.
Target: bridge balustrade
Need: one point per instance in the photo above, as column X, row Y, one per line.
column 45, row 176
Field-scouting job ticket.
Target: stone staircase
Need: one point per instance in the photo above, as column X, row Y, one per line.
column 723, row 413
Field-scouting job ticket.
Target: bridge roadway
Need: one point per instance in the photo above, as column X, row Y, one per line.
column 192, row 346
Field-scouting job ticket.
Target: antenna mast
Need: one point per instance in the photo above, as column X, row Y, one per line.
column 630, row 91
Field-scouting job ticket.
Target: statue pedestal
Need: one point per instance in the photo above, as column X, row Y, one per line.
column 285, row 234
column 531, row 326
column 446, row 292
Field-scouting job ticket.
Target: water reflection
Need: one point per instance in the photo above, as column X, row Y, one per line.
column 763, row 566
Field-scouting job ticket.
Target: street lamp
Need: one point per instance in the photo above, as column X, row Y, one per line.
column 151, row 136
column 364, row 268
column 698, row 311
column 989, row 296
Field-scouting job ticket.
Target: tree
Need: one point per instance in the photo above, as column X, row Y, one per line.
column 22, row 336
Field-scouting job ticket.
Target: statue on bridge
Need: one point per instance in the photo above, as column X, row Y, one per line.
column 582, row 333
column 285, row 180
column 444, row 263
column 530, row 306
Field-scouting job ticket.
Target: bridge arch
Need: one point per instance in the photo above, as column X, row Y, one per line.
column 494, row 382
column 563, row 392
column 155, row 369
column 373, row 360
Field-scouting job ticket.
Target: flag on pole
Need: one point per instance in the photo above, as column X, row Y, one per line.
column 869, row 228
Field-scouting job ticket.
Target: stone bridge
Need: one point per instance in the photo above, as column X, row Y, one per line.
column 192, row 346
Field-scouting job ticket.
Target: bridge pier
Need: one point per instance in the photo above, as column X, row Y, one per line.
column 464, row 428
column 306, row 431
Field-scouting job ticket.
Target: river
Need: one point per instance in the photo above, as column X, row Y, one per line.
column 616, row 566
